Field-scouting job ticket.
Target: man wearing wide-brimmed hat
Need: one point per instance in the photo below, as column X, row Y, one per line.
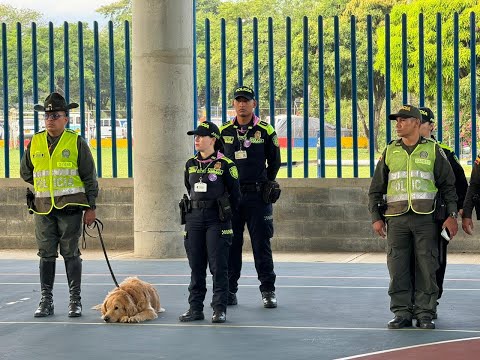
column 60, row 166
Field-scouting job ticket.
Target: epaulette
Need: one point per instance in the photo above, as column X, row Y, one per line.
column 227, row 160
column 225, row 125
column 443, row 146
column 41, row 131
column 71, row 131
column 266, row 126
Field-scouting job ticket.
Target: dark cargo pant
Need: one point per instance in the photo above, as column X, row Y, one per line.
column 418, row 234
column 258, row 216
column 207, row 241
column 58, row 228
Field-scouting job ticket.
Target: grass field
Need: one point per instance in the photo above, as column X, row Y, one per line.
column 297, row 171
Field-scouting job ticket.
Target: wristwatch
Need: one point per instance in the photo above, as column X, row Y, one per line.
column 453, row 214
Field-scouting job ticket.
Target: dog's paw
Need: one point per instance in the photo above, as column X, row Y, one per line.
column 124, row 319
column 134, row 319
column 161, row 310
column 97, row 307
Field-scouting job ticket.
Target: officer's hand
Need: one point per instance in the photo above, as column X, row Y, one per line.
column 467, row 226
column 379, row 228
column 451, row 225
column 89, row 216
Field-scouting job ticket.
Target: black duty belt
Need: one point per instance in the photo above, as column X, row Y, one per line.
column 206, row 204
column 252, row 187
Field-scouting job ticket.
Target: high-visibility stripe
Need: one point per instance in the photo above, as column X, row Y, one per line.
column 413, row 196
column 414, row 173
column 62, row 192
column 56, row 172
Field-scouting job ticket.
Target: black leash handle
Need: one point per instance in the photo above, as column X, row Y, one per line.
column 99, row 225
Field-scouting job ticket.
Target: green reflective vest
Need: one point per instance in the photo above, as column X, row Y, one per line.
column 56, row 179
column 411, row 181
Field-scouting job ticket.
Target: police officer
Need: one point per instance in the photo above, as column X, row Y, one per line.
column 253, row 144
column 211, row 180
column 410, row 172
column 472, row 198
column 426, row 128
column 60, row 166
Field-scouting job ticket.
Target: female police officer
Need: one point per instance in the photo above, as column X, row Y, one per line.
column 211, row 180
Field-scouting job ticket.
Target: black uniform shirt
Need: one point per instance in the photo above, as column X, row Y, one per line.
column 461, row 183
column 261, row 145
column 473, row 189
column 218, row 172
column 443, row 174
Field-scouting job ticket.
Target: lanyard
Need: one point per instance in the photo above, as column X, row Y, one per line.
column 203, row 171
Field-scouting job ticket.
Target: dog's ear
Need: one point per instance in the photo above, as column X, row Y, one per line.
column 130, row 307
column 104, row 307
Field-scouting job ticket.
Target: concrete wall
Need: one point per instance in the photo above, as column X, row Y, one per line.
column 311, row 215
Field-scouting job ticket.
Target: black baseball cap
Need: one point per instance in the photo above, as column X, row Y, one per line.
column 427, row 115
column 206, row 128
column 55, row 102
column 245, row 92
column 406, row 111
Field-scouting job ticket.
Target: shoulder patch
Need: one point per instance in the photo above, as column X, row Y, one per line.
column 234, row 172
column 275, row 140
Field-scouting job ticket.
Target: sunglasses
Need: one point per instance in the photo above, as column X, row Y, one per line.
column 53, row 116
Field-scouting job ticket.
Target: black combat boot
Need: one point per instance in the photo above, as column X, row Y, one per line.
column 73, row 267
column 47, row 278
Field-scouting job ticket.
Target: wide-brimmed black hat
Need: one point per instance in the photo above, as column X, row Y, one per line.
column 245, row 92
column 55, row 102
column 406, row 111
column 206, row 128
column 427, row 115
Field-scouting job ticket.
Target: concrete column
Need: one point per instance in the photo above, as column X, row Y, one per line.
column 162, row 112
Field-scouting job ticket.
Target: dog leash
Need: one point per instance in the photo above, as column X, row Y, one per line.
column 99, row 225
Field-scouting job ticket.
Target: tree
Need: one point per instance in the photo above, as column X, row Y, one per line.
column 430, row 9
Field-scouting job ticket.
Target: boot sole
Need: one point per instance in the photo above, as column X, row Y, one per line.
column 43, row 315
column 74, row 315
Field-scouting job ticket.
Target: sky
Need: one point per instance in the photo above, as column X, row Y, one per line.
column 58, row 11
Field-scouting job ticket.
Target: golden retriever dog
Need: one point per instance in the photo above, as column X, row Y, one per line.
column 132, row 302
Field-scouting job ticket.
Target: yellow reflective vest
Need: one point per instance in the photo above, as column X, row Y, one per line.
column 411, row 181
column 56, row 179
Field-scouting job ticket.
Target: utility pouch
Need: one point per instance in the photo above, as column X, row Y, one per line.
column 382, row 207
column 271, row 192
column 185, row 207
column 225, row 212
column 440, row 213
column 30, row 200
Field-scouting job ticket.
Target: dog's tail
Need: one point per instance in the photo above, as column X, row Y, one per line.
column 97, row 307
column 161, row 310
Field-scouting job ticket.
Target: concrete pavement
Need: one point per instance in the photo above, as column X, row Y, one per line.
column 319, row 257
